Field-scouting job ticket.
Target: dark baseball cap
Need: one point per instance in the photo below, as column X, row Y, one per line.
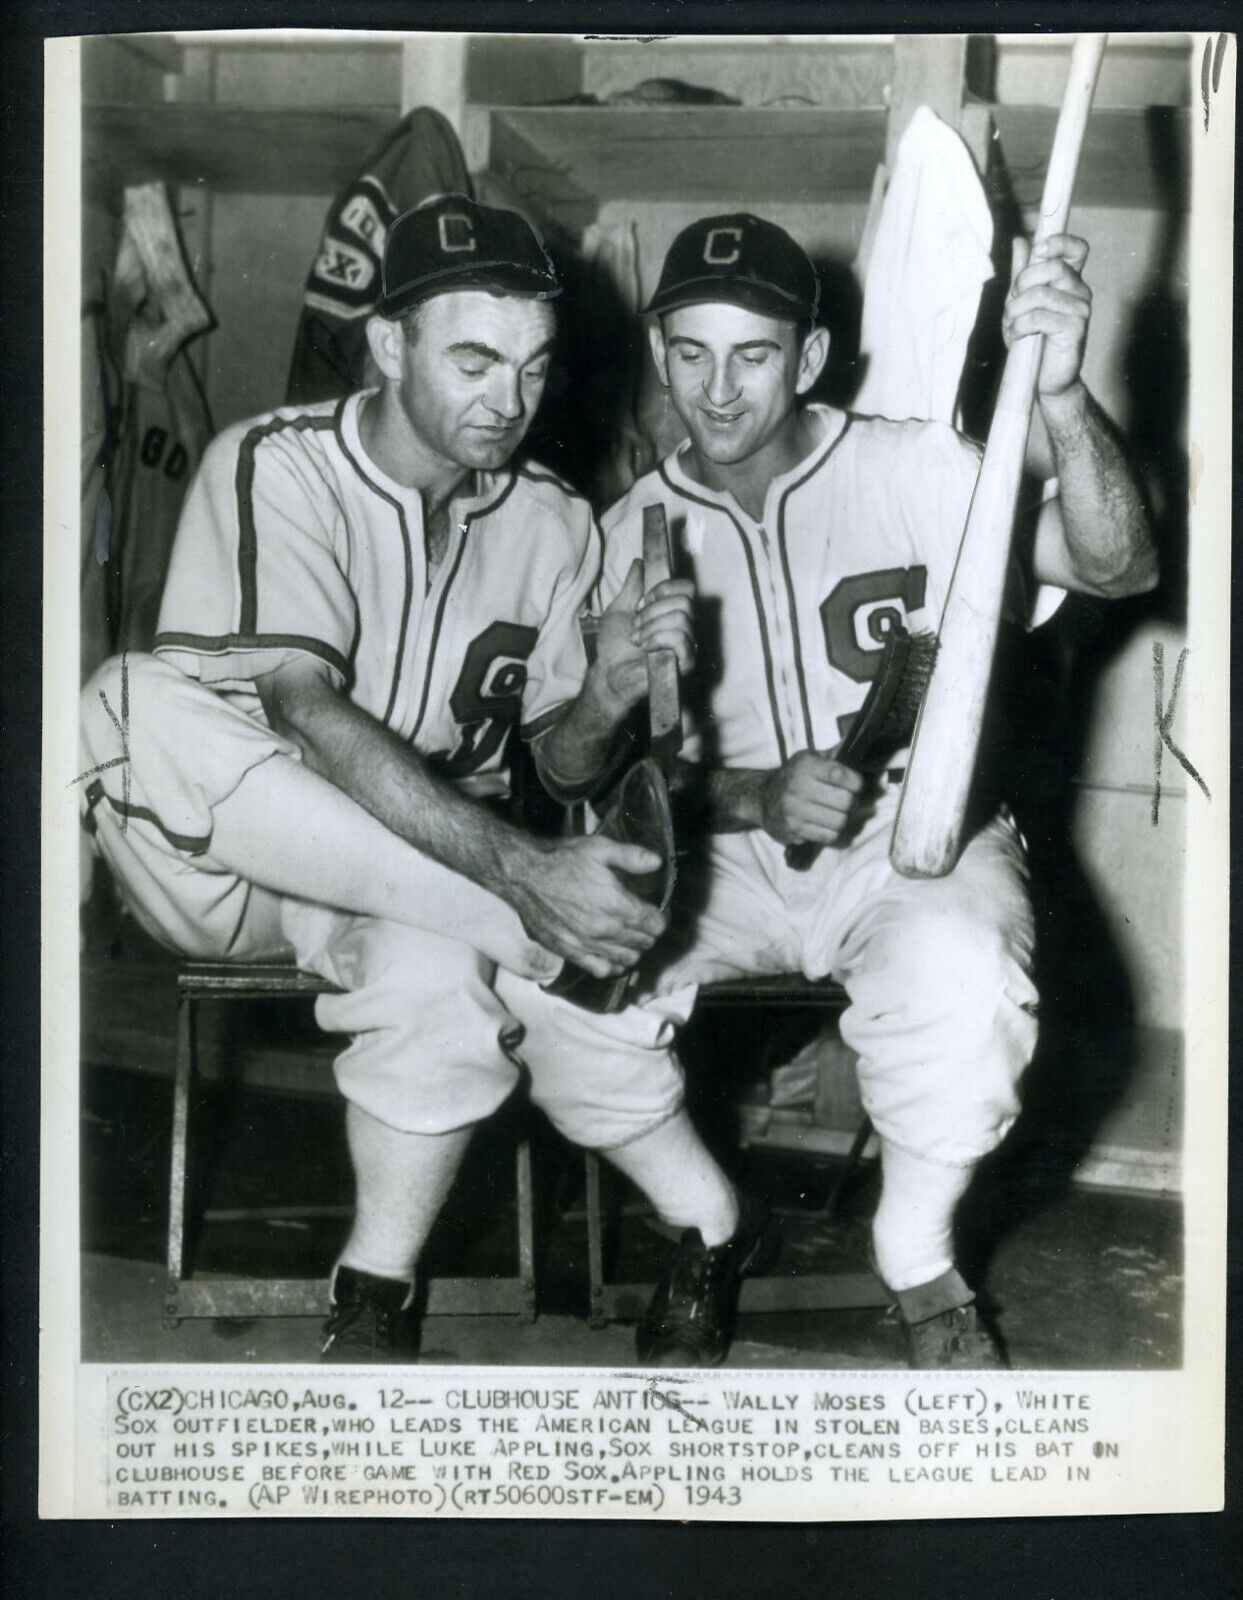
column 742, row 260
column 452, row 242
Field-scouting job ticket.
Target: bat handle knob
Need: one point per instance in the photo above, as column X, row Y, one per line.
column 799, row 857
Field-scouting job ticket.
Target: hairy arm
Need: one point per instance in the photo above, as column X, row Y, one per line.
column 567, row 893
column 810, row 799
column 1096, row 537
column 591, row 739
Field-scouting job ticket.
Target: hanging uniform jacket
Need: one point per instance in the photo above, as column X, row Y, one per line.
column 419, row 159
column 156, row 311
column 925, row 260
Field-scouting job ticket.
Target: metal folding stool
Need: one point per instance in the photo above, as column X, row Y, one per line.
column 818, row 1291
column 223, row 1296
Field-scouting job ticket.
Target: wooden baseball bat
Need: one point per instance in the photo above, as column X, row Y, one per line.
column 927, row 833
column 664, row 701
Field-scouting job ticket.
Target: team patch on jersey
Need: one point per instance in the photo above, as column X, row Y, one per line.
column 487, row 698
column 862, row 611
column 345, row 279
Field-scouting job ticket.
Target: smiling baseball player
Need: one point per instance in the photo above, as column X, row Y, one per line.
column 364, row 599
column 809, row 534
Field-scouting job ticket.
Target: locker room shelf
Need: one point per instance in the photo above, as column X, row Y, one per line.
column 688, row 153
column 582, row 155
column 1131, row 157
column 229, row 147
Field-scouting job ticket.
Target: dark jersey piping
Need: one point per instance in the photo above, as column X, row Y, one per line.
column 712, row 505
column 338, row 418
column 188, row 843
column 785, row 568
column 247, row 534
column 223, row 643
column 470, row 518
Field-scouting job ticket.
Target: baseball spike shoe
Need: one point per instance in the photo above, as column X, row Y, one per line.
column 958, row 1339
column 367, row 1321
column 943, row 1327
column 690, row 1320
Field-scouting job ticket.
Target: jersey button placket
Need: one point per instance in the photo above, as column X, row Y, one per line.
column 783, row 641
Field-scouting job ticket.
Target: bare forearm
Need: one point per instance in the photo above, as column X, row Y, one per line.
column 391, row 781
column 1108, row 532
column 584, row 746
column 720, row 799
column 568, row 894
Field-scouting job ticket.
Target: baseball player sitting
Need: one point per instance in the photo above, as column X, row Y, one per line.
column 809, row 533
column 364, row 598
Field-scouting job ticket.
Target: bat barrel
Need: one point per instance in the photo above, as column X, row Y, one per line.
column 927, row 835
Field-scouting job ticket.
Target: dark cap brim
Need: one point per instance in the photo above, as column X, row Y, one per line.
column 500, row 276
column 751, row 296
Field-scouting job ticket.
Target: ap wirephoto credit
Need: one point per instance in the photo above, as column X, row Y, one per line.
column 636, row 774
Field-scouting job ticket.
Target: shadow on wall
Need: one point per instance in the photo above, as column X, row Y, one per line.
column 1045, row 698
column 592, row 389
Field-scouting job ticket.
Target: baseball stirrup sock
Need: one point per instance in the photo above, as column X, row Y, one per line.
column 402, row 1180
column 913, row 1229
column 674, row 1170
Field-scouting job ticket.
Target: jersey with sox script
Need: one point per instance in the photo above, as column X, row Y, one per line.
column 293, row 543
column 792, row 612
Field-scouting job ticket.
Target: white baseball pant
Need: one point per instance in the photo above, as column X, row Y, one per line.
column 440, row 1034
column 942, row 1007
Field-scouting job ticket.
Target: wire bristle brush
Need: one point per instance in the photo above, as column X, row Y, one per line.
column 886, row 719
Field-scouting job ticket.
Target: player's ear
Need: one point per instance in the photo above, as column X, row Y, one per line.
column 385, row 340
column 814, row 354
column 656, row 338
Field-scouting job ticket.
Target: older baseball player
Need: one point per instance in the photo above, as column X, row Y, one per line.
column 364, row 599
column 809, row 533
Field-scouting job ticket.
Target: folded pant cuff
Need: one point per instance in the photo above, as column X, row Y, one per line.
column 925, row 1300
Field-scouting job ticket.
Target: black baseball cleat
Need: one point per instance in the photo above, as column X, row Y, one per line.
column 368, row 1321
column 690, row 1320
column 944, row 1328
column 959, row 1339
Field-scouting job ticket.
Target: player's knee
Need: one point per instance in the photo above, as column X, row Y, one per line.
column 610, row 1102
column 395, row 1017
column 947, row 959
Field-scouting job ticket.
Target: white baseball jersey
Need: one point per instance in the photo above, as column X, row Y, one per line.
column 792, row 611
column 292, row 542
column 791, row 615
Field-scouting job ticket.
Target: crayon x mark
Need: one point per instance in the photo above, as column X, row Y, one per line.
column 121, row 724
column 1165, row 721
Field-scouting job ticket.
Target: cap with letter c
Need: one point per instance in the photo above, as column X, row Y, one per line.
column 452, row 242
column 742, row 260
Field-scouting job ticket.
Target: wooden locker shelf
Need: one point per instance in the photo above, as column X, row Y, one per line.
column 269, row 151
column 1131, row 157
column 1134, row 157
column 689, row 153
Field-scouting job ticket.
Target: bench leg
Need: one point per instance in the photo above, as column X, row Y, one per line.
column 526, row 1230
column 595, row 1243
column 832, row 1205
column 183, row 1083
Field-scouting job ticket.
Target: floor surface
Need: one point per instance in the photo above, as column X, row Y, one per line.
column 1079, row 1279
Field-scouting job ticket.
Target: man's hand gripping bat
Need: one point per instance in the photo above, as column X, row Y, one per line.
column 638, row 812
column 932, row 811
